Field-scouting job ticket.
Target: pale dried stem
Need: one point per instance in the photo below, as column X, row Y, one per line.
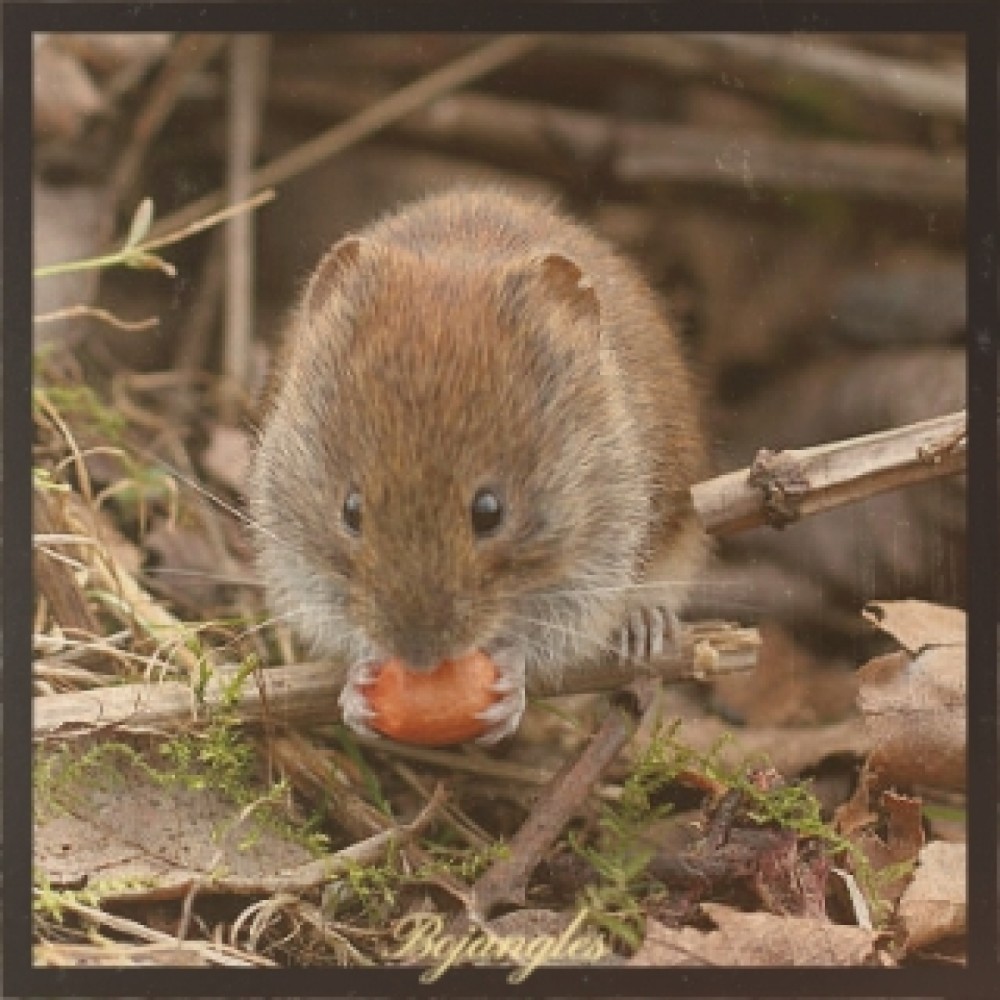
column 308, row 692
column 894, row 82
column 247, row 75
column 783, row 486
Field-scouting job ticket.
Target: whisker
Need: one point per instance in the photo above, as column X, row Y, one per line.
column 644, row 585
column 208, row 494
column 575, row 633
column 260, row 626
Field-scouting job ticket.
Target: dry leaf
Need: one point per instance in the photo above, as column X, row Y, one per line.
column 886, row 827
column 934, row 905
column 756, row 939
column 915, row 625
column 904, row 825
column 115, row 826
column 915, row 713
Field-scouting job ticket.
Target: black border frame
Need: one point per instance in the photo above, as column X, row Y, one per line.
column 979, row 20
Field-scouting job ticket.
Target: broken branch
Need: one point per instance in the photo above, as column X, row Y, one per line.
column 781, row 487
column 308, row 692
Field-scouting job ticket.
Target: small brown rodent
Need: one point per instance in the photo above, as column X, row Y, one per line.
column 480, row 436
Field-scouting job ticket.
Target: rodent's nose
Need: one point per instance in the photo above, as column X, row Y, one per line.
column 421, row 652
column 424, row 644
column 424, row 636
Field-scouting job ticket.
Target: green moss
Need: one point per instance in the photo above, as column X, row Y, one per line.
column 372, row 890
column 217, row 757
column 81, row 403
column 465, row 864
column 620, row 857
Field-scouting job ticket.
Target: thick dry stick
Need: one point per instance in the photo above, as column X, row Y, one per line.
column 893, row 82
column 781, row 487
column 557, row 804
column 896, row 82
column 308, row 692
column 247, row 72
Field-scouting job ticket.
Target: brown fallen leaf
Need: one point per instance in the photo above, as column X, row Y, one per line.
column 757, row 939
column 113, row 825
column 915, row 712
column 915, row 625
column 934, row 905
column 886, row 827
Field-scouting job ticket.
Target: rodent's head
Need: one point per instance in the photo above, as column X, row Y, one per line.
column 447, row 463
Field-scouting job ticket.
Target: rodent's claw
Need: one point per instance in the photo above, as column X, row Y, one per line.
column 504, row 715
column 353, row 701
column 649, row 633
column 362, row 674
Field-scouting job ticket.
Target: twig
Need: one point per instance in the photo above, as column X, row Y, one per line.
column 781, row 487
column 557, row 805
column 456, row 762
column 247, row 75
column 317, row 775
column 364, row 852
column 93, row 312
column 137, row 253
column 65, row 597
column 893, row 81
column 462, row 825
column 193, row 343
column 308, row 692
column 878, row 170
column 458, row 73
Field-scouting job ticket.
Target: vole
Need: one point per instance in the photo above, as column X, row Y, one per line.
column 480, row 436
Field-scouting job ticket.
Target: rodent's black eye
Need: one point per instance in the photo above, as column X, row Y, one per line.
column 351, row 512
column 487, row 511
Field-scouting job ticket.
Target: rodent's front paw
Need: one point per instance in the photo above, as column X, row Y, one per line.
column 504, row 715
column 353, row 701
column 649, row 632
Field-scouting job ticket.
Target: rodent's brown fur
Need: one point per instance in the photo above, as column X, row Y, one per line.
column 470, row 339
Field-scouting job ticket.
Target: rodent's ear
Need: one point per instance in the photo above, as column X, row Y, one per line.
column 331, row 272
column 564, row 279
column 561, row 281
